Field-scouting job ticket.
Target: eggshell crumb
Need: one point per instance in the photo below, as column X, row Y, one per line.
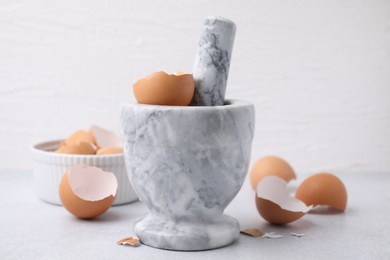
column 297, row 234
column 272, row 235
column 253, row 232
column 129, row 241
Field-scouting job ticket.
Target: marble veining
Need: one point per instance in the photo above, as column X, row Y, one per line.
column 212, row 61
column 186, row 164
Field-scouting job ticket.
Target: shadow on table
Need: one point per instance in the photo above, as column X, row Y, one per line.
column 109, row 216
column 325, row 210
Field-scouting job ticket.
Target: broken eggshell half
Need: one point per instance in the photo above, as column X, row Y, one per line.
column 271, row 166
column 82, row 147
column 87, row 191
column 160, row 88
column 274, row 203
column 323, row 189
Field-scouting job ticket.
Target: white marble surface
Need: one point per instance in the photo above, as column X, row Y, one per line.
column 32, row 229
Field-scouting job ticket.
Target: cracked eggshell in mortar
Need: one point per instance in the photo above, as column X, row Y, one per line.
column 87, row 191
column 323, row 189
column 271, row 166
column 274, row 203
column 161, row 88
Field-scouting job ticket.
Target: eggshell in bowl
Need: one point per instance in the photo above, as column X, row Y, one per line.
column 79, row 148
column 109, row 150
column 80, row 136
column 323, row 189
column 161, row 88
column 87, row 191
column 49, row 168
column 105, row 138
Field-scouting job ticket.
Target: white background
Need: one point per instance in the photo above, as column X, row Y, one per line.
column 318, row 72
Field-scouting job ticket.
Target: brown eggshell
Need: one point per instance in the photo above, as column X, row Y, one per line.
column 80, row 136
column 79, row 207
column 323, row 189
column 271, row 166
column 275, row 204
column 274, row 214
column 161, row 88
column 109, row 150
column 80, row 148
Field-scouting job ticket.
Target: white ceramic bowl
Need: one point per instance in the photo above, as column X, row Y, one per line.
column 49, row 168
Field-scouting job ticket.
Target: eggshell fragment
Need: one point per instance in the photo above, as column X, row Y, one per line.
column 272, row 235
column 109, row 150
column 161, row 88
column 271, row 166
column 297, row 234
column 79, row 148
column 253, row 232
column 129, row 241
column 105, row 138
column 274, row 203
column 87, row 191
column 323, row 189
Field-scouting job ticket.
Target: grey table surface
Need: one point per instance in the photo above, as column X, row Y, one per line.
column 33, row 229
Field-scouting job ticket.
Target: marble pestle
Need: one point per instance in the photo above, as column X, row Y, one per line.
column 212, row 61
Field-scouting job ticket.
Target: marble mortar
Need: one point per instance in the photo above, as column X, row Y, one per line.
column 187, row 164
